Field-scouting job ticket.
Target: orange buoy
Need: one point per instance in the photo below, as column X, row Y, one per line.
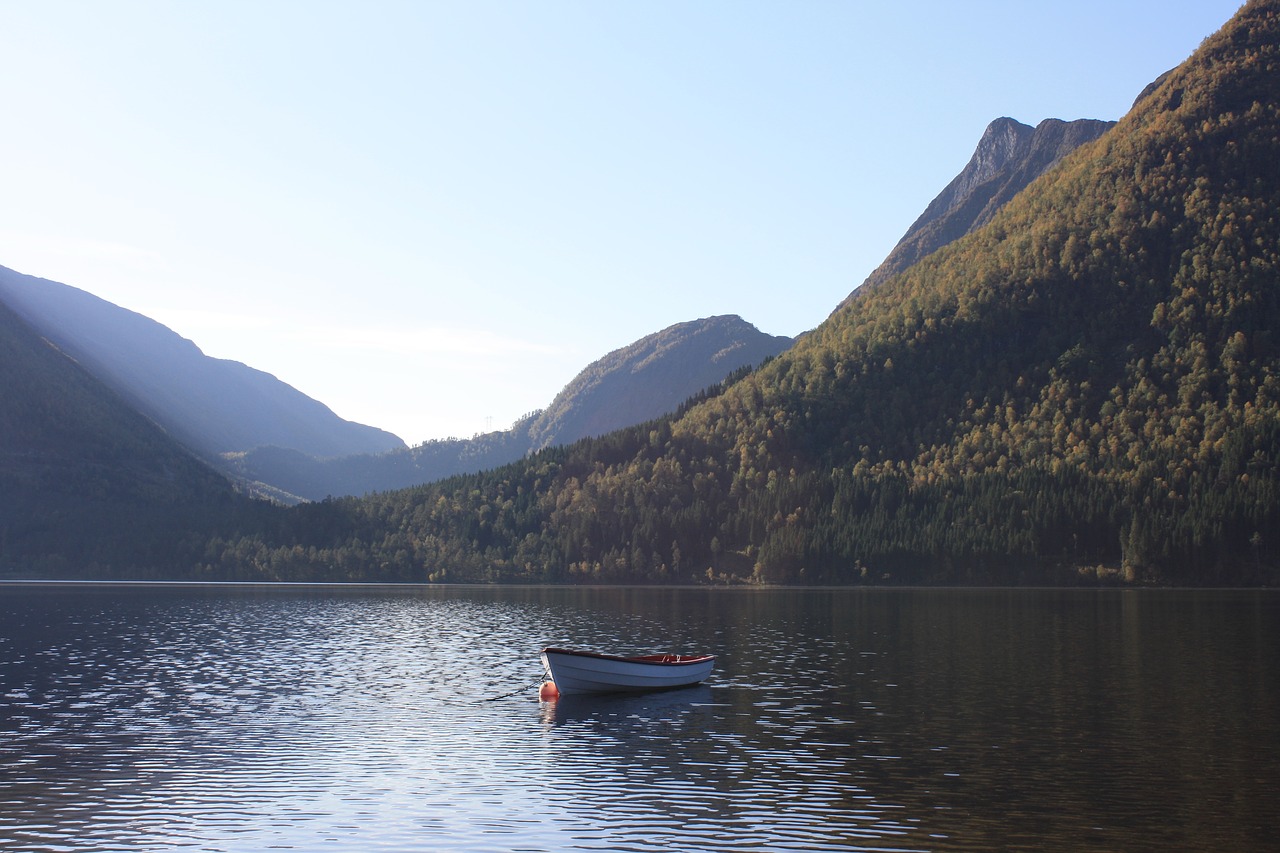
column 548, row 692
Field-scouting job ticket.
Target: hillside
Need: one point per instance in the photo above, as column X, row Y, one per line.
column 212, row 405
column 1009, row 156
column 632, row 385
column 651, row 378
column 1083, row 390
column 88, row 487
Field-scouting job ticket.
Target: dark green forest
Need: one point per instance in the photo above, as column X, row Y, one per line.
column 88, row 486
column 1085, row 391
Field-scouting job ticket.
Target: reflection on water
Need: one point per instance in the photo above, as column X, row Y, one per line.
column 694, row 773
column 246, row 718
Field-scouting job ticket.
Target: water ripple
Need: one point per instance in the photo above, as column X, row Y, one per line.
column 241, row 719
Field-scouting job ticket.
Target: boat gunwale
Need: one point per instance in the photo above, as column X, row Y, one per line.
column 664, row 660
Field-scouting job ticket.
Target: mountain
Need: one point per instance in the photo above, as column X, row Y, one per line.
column 652, row 377
column 1084, row 390
column 212, row 405
column 631, row 385
column 290, row 477
column 1010, row 155
column 89, row 487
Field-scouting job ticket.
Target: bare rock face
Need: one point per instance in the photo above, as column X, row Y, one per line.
column 1009, row 156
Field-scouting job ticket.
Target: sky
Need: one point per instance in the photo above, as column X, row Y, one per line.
column 430, row 216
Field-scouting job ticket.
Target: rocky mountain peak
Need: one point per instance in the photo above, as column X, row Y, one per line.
column 1009, row 156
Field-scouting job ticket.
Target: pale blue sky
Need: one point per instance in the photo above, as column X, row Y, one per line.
column 431, row 215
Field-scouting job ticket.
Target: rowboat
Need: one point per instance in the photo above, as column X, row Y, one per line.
column 575, row 671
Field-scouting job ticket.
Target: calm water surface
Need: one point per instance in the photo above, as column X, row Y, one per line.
column 254, row 718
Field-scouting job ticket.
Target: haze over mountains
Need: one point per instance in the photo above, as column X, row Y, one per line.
column 637, row 383
column 285, row 445
column 212, row 405
column 88, row 485
column 1084, row 389
column 281, row 444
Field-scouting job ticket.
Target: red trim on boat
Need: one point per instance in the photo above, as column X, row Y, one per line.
column 664, row 659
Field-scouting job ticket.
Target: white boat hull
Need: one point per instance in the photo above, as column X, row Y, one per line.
column 589, row 672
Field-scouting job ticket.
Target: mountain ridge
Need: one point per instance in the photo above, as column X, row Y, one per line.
column 652, row 377
column 1008, row 157
column 633, row 384
column 89, row 487
column 212, row 405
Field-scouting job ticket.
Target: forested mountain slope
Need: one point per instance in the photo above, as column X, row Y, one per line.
column 212, row 405
column 1087, row 383
column 88, row 487
column 637, row 383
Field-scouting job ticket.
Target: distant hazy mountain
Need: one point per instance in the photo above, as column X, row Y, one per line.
column 1008, row 158
column 637, row 383
column 212, row 405
column 651, row 377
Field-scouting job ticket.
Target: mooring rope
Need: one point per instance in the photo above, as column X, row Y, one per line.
column 516, row 692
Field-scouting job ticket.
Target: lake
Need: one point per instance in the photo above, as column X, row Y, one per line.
column 238, row 718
